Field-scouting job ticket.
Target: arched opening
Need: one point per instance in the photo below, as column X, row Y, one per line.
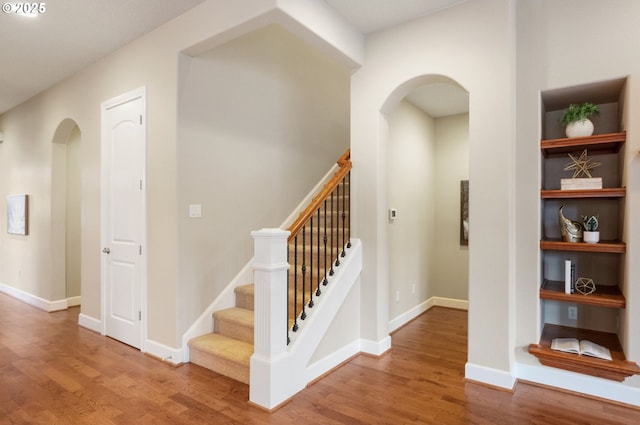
column 427, row 162
column 66, row 184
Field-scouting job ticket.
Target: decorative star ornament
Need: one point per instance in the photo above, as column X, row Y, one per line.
column 581, row 166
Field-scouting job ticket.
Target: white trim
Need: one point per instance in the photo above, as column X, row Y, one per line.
column 333, row 360
column 140, row 93
column 450, row 303
column 490, row 376
column 74, row 301
column 416, row 311
column 577, row 382
column 375, row 348
column 90, row 323
column 33, row 300
column 164, row 352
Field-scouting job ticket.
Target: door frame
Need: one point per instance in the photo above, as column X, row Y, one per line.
column 139, row 93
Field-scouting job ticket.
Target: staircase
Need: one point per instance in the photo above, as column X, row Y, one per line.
column 229, row 348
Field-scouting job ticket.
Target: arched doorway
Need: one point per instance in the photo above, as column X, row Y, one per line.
column 426, row 161
column 66, row 184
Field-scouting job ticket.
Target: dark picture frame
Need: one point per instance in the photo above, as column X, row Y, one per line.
column 464, row 212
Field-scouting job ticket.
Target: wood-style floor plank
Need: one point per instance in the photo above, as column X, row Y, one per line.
column 54, row 372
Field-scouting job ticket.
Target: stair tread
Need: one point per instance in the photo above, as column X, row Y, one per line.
column 238, row 315
column 228, row 348
column 245, row 289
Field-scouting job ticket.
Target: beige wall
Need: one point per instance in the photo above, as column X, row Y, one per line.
column 426, row 159
column 410, row 163
column 451, row 263
column 150, row 61
column 261, row 120
column 470, row 44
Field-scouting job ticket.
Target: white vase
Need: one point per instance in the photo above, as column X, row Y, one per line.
column 591, row 237
column 579, row 128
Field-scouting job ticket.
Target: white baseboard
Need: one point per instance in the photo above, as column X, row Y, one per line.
column 34, row 300
column 450, row 303
column 489, row 376
column 375, row 348
column 90, row 323
column 74, row 301
column 164, row 352
column 416, row 311
column 332, row 361
column 579, row 383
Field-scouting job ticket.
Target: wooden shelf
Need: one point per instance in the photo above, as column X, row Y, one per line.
column 604, row 296
column 610, row 192
column 603, row 143
column 610, row 247
column 618, row 369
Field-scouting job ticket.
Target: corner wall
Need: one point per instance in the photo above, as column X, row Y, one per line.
column 549, row 58
column 261, row 120
column 471, row 44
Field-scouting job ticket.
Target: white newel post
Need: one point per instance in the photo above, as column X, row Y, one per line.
column 270, row 316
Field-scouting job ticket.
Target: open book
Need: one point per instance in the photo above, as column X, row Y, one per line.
column 584, row 347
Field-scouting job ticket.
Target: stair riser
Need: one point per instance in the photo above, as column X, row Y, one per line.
column 233, row 330
column 222, row 366
column 244, row 301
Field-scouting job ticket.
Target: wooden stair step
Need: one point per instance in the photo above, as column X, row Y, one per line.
column 221, row 354
column 234, row 323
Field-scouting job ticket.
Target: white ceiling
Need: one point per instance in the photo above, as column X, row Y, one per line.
column 372, row 15
column 37, row 52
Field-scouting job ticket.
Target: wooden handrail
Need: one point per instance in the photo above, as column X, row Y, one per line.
column 345, row 166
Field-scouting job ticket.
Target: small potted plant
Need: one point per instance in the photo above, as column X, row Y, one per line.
column 576, row 118
column 591, row 233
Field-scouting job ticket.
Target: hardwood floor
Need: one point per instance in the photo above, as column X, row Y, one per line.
column 54, row 372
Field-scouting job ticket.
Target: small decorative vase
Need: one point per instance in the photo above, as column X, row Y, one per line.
column 579, row 128
column 570, row 230
column 591, row 237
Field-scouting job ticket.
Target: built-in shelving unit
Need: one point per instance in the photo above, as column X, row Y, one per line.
column 602, row 261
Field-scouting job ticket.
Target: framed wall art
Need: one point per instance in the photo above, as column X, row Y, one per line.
column 464, row 212
column 17, row 214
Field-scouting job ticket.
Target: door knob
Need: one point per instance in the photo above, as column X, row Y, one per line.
column 106, row 250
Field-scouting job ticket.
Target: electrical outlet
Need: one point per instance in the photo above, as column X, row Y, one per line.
column 573, row 313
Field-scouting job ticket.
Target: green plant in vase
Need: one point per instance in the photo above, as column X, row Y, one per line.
column 591, row 233
column 576, row 118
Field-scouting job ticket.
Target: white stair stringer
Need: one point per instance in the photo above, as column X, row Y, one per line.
column 273, row 382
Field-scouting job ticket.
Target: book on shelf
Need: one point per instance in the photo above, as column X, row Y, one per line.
column 569, row 276
column 582, row 183
column 583, row 347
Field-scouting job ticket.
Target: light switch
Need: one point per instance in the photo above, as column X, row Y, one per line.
column 195, row 211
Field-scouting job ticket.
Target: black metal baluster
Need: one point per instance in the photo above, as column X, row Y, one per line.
column 344, row 200
column 318, row 291
column 349, row 214
column 304, row 272
column 337, row 228
column 295, row 284
column 326, row 251
column 331, row 234
column 311, row 262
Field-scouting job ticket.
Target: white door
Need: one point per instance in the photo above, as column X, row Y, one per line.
column 123, row 216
